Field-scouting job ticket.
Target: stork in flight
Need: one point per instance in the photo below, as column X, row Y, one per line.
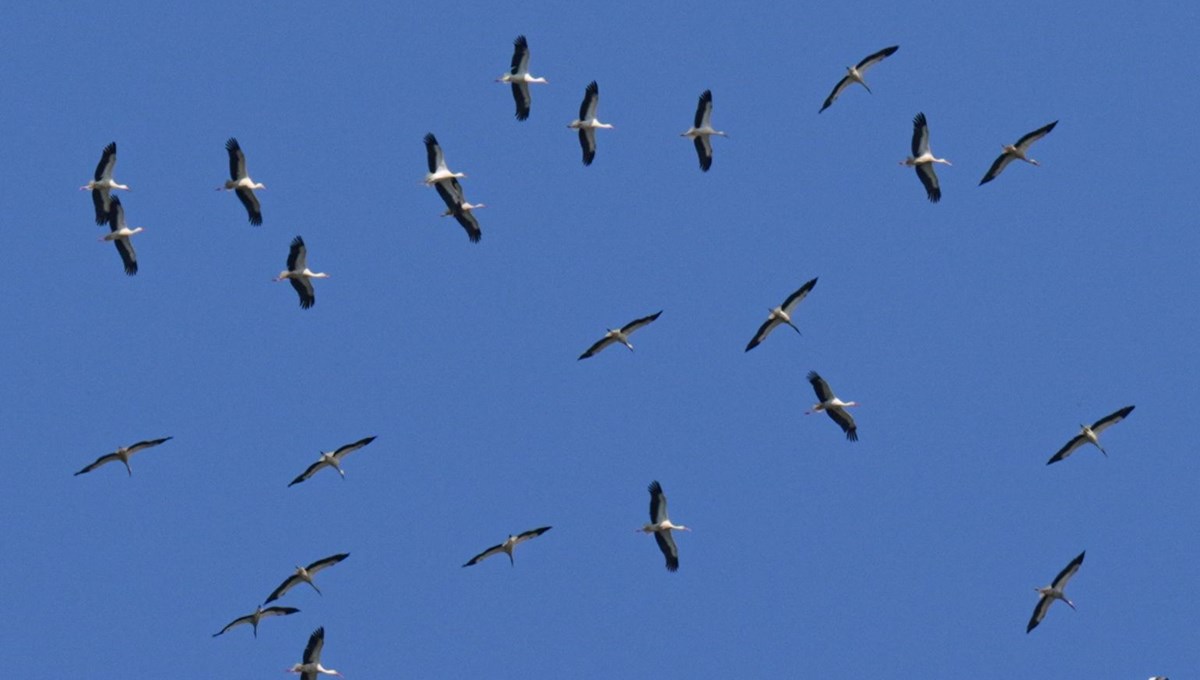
column 120, row 233
column 619, row 335
column 661, row 526
column 258, row 615
column 311, row 667
column 122, row 454
column 332, row 459
column 305, row 575
column 300, row 275
column 1091, row 434
column 507, row 546
column 830, row 404
column 781, row 315
column 854, row 74
column 923, row 159
column 239, row 182
column 102, row 183
column 436, row 161
column 1016, row 151
column 702, row 129
column 587, row 123
column 518, row 75
column 1053, row 592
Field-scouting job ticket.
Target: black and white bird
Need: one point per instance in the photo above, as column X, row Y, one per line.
column 830, row 404
column 311, row 667
column 258, row 615
column 587, row 124
column 239, row 182
column 1016, row 151
column 458, row 207
column 1053, row 592
column 781, row 315
column 305, row 575
column 518, row 75
column 923, row 159
column 1091, row 434
column 702, row 129
column 120, row 233
column 436, row 161
column 300, row 275
column 507, row 546
column 854, row 74
column 122, row 454
column 332, row 459
column 620, row 335
column 102, row 183
column 661, row 526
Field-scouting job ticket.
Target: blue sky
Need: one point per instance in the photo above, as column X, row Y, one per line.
column 977, row 334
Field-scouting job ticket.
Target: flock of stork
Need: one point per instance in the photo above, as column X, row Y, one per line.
column 110, row 211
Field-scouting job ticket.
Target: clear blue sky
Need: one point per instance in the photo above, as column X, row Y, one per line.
column 977, row 334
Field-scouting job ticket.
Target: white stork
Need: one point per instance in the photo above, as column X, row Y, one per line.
column 587, row 124
column 781, row 315
column 854, row 74
column 311, row 666
column 438, row 171
column 305, row 575
column 1016, row 151
column 258, row 615
column 102, row 182
column 1053, row 592
column 836, row 408
column 452, row 195
column 239, row 181
column 1091, row 434
column 119, row 234
column 122, row 454
column 923, row 159
column 332, row 459
column 507, row 546
column 300, row 275
column 702, row 129
column 660, row 525
column 518, row 75
column 620, row 335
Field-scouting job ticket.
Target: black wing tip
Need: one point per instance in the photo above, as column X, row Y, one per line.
column 520, row 41
column 131, row 269
column 297, row 242
column 706, row 96
column 592, row 88
column 430, row 140
column 813, row 376
column 231, row 144
column 673, row 566
column 1126, row 411
column 852, row 434
column 655, row 315
column 256, row 219
column 654, row 487
column 112, row 147
column 889, row 51
column 934, row 195
column 307, row 303
column 919, row 119
column 522, row 114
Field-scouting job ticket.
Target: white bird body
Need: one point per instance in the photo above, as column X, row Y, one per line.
column 1018, row 151
column 332, row 459
column 781, row 315
column 120, row 233
column 1090, row 434
column 102, row 183
column 240, row 183
column 620, row 335
column 661, row 526
column 436, row 161
column 587, row 123
column 507, row 546
column 702, row 129
column 300, row 275
column 1054, row 591
column 835, row 408
column 519, row 77
column 458, row 207
column 854, row 74
column 923, row 159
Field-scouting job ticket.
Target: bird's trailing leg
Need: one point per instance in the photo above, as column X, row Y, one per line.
column 794, row 328
column 127, row 468
column 315, row 587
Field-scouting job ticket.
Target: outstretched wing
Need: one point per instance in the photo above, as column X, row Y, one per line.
column 837, row 91
column 599, row 345
column 495, row 549
column 312, row 470
column 929, row 179
column 998, row 166
column 1027, row 141
column 1111, row 419
column 666, row 543
column 794, row 299
column 351, row 448
column 821, row 387
column 1068, row 448
column 844, row 420
column 638, row 323
column 107, row 458
column 873, row 59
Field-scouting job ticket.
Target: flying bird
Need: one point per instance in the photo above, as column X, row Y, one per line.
column 305, row 575
column 621, row 335
column 660, row 525
column 587, row 124
column 1091, row 434
column 119, row 234
column 438, row 171
column 781, row 315
column 854, row 74
column 702, row 129
column 1053, row 592
column 258, row 615
column 332, row 459
column 507, row 546
column 102, row 183
column 518, row 75
column 452, row 195
column 300, row 275
column 836, row 408
column 122, row 454
column 239, row 182
column 923, row 159
column 311, row 667
column 1016, row 151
